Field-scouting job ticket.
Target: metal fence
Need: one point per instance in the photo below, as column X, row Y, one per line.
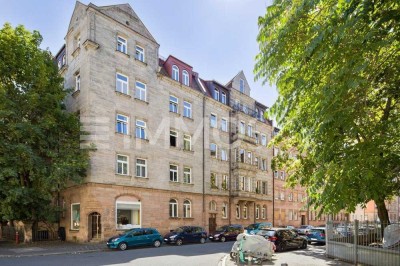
column 366, row 243
column 10, row 233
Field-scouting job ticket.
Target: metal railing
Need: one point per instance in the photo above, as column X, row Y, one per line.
column 367, row 243
column 10, row 233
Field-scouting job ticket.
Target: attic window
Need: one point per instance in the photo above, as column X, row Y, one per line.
column 127, row 22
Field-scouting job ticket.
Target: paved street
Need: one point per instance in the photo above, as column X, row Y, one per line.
column 195, row 254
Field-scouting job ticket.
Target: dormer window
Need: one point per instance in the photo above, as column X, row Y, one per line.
column 216, row 94
column 175, row 73
column 121, row 45
column 64, row 60
column 185, row 77
column 241, row 85
column 223, row 97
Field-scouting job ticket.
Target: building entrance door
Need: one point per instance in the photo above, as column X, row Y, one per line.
column 212, row 223
column 95, row 225
column 303, row 220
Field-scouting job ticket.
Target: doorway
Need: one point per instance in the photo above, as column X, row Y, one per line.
column 303, row 220
column 212, row 223
column 95, row 226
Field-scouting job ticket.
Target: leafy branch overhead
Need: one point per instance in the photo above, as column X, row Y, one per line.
column 40, row 142
column 336, row 66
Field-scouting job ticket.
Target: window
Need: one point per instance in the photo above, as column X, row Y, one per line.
column 290, row 197
column 122, row 124
column 128, row 215
column 237, row 211
column 140, row 92
column 224, row 125
column 264, row 188
column 173, row 173
column 187, row 175
column 276, row 151
column 224, row 210
column 258, row 187
column 263, row 140
column 173, row 208
column 276, row 174
column 75, row 216
column 258, row 212
column 187, row 109
column 213, row 150
column 249, row 130
column 122, row 83
column 173, row 136
column 78, row 41
column 256, row 136
column 242, row 128
column 140, row 167
column 241, row 154
column 185, row 77
column 282, row 175
column 213, row 206
column 264, row 164
column 187, row 212
column 224, row 156
column 216, row 94
column 241, row 86
column 140, row 129
column 282, row 195
column 78, row 82
column 223, row 97
column 263, row 213
column 64, row 59
column 139, row 54
column 245, row 212
column 249, row 157
column 122, row 165
column 175, row 73
column 173, row 104
column 224, row 184
column 121, row 45
column 187, row 142
column 213, row 181
column 242, row 183
column 59, row 63
column 256, row 161
column 213, row 121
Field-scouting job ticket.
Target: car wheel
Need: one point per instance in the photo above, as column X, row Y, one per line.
column 223, row 239
column 122, row 246
column 281, row 247
column 202, row 240
column 304, row 245
column 179, row 242
column 233, row 255
column 157, row 243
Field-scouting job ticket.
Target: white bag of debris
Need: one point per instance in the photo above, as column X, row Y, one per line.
column 391, row 236
column 254, row 245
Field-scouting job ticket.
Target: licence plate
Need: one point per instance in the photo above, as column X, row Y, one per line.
column 313, row 239
column 211, row 237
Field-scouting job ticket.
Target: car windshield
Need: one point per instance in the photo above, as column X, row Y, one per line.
column 304, row 226
column 222, row 228
column 252, row 226
column 317, row 231
column 178, row 230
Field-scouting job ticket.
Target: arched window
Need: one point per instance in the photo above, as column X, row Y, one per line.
column 187, row 210
column 237, row 211
column 173, row 208
column 245, row 212
column 258, row 212
column 264, row 212
column 185, row 77
column 175, row 73
column 224, row 210
column 213, row 206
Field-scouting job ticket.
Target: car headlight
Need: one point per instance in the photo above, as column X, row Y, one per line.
column 115, row 239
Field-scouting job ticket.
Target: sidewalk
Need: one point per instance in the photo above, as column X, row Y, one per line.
column 43, row 248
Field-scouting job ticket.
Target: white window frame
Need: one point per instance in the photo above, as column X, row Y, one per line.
column 187, row 109
column 213, row 121
column 140, row 131
column 187, row 139
column 139, row 53
column 214, row 184
column 242, row 128
column 123, row 163
column 237, row 211
column 173, row 133
column 122, row 44
column 75, row 223
column 223, row 97
column 224, row 210
column 173, row 104
column 245, row 212
column 175, row 73
column 216, row 150
column 225, row 179
column 224, row 155
column 216, row 94
column 78, row 82
column 175, row 173
column 187, row 175
column 263, row 140
column 249, row 157
column 173, row 208
column 263, row 213
column 122, row 86
column 134, row 206
column 142, row 168
column 187, row 209
column 224, row 124
column 141, row 91
column 258, row 212
column 213, row 206
column 185, row 78
column 122, row 124
column 249, row 130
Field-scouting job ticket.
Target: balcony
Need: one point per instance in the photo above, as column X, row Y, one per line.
column 248, row 111
column 244, row 166
column 239, row 136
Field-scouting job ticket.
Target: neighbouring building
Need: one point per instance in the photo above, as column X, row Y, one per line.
column 370, row 212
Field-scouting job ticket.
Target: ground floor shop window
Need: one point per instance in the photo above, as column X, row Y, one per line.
column 128, row 215
column 75, row 216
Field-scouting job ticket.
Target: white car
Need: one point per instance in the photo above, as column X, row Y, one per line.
column 304, row 229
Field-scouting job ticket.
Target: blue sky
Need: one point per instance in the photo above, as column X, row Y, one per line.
column 216, row 37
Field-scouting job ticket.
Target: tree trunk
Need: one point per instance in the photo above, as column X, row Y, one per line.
column 382, row 213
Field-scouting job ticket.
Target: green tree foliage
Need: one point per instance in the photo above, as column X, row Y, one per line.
column 336, row 64
column 39, row 141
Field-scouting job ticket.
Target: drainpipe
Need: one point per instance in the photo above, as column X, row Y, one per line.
column 230, row 167
column 204, row 164
column 273, row 199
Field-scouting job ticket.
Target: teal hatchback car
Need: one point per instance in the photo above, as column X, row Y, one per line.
column 136, row 237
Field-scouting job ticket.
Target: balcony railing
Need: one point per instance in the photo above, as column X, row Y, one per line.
column 244, row 166
column 248, row 111
column 239, row 136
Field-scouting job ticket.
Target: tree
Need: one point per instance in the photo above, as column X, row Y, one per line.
column 336, row 66
column 39, row 141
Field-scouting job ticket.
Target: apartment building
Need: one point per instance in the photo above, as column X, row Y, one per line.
column 172, row 148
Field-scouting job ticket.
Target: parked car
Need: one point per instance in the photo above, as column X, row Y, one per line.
column 344, row 230
column 186, row 234
column 317, row 235
column 284, row 239
column 304, row 229
column 252, row 229
column 136, row 237
column 226, row 232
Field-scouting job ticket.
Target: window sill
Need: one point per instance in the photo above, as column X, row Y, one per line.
column 174, row 182
column 123, row 134
column 187, row 218
column 189, row 151
column 76, row 93
column 122, row 175
column 175, row 148
column 142, row 177
column 141, row 139
column 175, row 113
column 74, row 230
column 188, row 118
column 123, row 94
column 214, row 188
column 122, row 53
column 174, row 218
column 140, row 62
column 142, row 101
column 187, row 184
